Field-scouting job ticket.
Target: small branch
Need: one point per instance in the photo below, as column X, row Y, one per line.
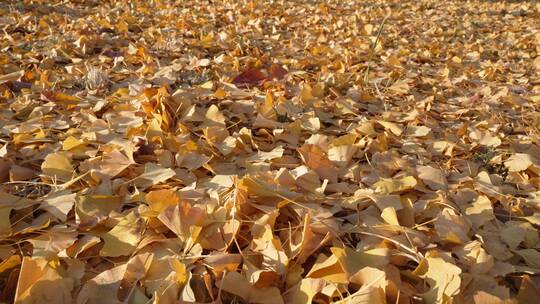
column 373, row 46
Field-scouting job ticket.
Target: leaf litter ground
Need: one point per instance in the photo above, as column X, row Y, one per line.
column 269, row 152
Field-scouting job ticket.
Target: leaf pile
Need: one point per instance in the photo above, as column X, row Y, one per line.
column 269, row 152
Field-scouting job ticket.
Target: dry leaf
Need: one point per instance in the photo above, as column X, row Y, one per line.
column 433, row 177
column 443, row 278
column 58, row 167
column 249, row 78
column 235, row 283
column 124, row 237
column 41, row 282
column 269, row 152
column 518, row 162
column 153, row 174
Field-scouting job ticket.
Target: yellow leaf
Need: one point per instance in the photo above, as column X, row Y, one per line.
column 528, row 291
column 432, row 177
column 9, row 202
column 161, row 199
column 92, row 209
column 480, row 211
column 70, row 143
column 124, row 237
column 61, row 97
column 442, row 277
column 267, row 109
column 366, row 295
column 452, row 227
column 220, row 93
column 103, row 288
column 41, row 282
column 184, row 220
column 391, row 185
column 303, row 292
column 400, row 87
column 315, row 158
column 389, row 215
column 9, row 263
column 394, row 128
column 352, row 261
column 518, row 162
column 59, row 203
column 329, row 269
column 237, row 284
column 58, row 167
column 153, row 174
column 49, row 244
column 180, row 269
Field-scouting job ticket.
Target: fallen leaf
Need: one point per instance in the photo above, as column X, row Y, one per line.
column 153, row 174
column 124, row 237
column 277, row 71
column 41, row 282
column 103, row 288
column 59, row 203
column 390, row 185
column 58, row 167
column 433, row 177
column 235, row 283
column 249, row 78
column 518, row 162
column 443, row 278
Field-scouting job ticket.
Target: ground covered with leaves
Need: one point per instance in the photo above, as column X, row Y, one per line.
column 269, row 152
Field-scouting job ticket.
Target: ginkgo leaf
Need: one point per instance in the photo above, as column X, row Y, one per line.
column 8, row 203
column 237, row 284
column 394, row 128
column 124, row 237
column 153, row 174
column 71, row 143
column 57, row 166
column 391, row 185
column 40, row 281
column 518, row 162
column 11, row 76
column 50, row 244
column 480, row 211
column 103, row 288
column 531, row 257
column 92, row 209
column 366, row 295
column 418, row 131
column 304, row 291
column 528, row 291
column 433, row 177
column 9, row 263
column 353, row 261
column 269, row 152
column 183, row 219
column 59, row 203
column 329, row 269
column 277, row 71
column 159, row 200
column 317, row 160
column 114, row 163
column 249, row 78
column 442, row 276
column 400, row 87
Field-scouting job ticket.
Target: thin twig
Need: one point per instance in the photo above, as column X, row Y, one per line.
column 372, row 52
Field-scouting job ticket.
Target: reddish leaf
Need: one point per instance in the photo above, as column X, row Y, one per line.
column 250, row 78
column 277, row 71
